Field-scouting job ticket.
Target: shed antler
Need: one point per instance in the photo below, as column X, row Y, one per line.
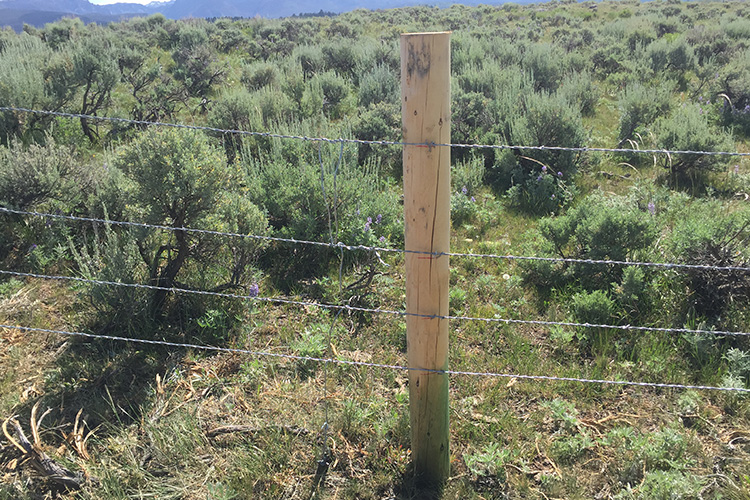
column 34, row 455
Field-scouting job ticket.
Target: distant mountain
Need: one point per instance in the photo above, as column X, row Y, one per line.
column 15, row 13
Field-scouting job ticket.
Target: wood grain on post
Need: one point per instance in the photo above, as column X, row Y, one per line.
column 425, row 101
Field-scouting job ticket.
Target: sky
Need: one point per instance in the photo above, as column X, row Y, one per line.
column 107, row 2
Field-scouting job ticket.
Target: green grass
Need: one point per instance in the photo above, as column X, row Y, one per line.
column 510, row 438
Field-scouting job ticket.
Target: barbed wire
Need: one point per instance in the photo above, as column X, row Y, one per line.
column 340, row 245
column 349, row 308
column 346, row 362
column 583, row 149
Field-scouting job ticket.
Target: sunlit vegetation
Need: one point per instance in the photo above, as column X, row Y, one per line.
column 613, row 74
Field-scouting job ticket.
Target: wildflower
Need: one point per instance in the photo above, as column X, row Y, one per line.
column 473, row 199
column 506, row 276
column 552, row 197
column 544, row 168
column 736, row 170
column 559, row 174
column 379, row 219
column 381, row 239
column 539, row 178
column 464, row 190
column 254, row 290
column 651, row 208
column 700, row 98
column 367, row 225
column 369, row 220
column 708, row 103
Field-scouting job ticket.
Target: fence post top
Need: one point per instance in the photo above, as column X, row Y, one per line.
column 427, row 33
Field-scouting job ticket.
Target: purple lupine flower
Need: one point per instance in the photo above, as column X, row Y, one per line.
column 381, row 239
column 708, row 103
column 369, row 220
column 464, row 190
column 254, row 290
column 379, row 219
column 539, row 178
column 700, row 98
column 651, row 208
column 559, row 174
column 367, row 225
column 544, row 168
column 473, row 199
column 552, row 197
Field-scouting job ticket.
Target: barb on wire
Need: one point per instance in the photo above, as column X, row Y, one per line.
column 350, row 308
column 362, row 141
column 343, row 246
column 372, row 365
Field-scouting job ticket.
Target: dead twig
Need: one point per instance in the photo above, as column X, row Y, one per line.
column 249, row 429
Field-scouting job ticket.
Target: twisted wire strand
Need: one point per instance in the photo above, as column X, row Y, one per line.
column 362, row 141
column 347, row 307
column 374, row 365
column 340, row 245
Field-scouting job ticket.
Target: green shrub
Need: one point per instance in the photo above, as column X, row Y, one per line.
column 341, row 56
column 738, row 365
column 259, row 75
column 734, row 88
column 38, row 174
column 490, row 461
column 463, row 206
column 676, row 55
column 581, row 92
column 592, row 307
column 327, row 93
column 545, row 63
column 541, row 180
column 23, row 60
column 114, row 257
column 235, row 110
column 640, row 107
column 665, row 450
column 468, row 174
column 599, row 228
column 688, row 129
column 709, row 235
column 548, row 120
column 664, row 485
column 380, row 84
column 633, row 293
column 287, row 184
column 542, row 193
column 180, row 180
column 380, row 122
column 310, row 59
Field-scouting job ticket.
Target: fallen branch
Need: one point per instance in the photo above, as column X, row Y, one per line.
column 249, row 429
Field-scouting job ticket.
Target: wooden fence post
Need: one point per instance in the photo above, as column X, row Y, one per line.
column 425, row 101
